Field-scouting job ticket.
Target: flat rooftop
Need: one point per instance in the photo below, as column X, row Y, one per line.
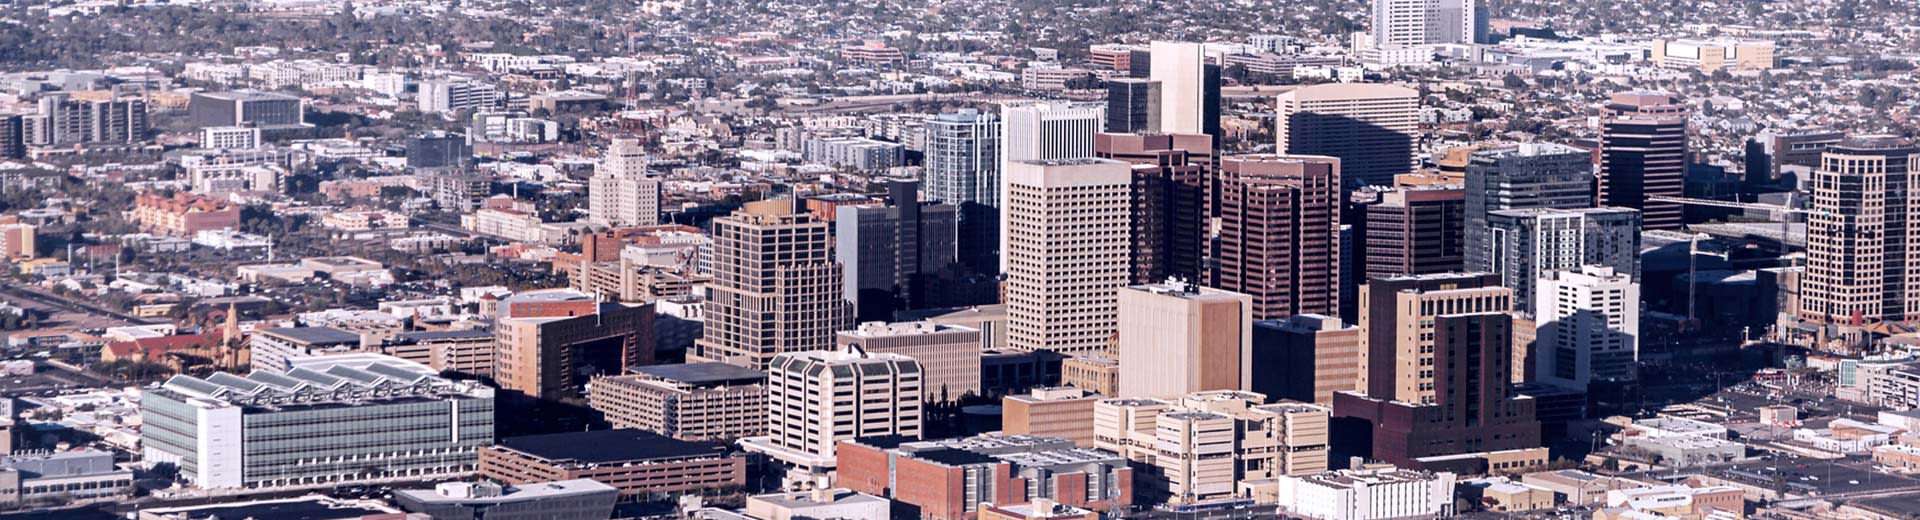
column 611, row 446
column 314, row 335
column 703, row 373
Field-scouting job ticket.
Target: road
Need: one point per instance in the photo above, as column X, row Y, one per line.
column 35, row 295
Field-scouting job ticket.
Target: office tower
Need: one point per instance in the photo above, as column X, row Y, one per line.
column 1438, row 371
column 1860, row 259
column 1067, row 252
column 1589, row 328
column 1399, row 23
column 621, row 192
column 438, row 150
column 962, row 169
column 1306, row 357
column 1771, row 152
column 807, row 421
column 1133, row 106
column 948, row 354
column 1526, row 244
column 1178, row 338
column 776, row 287
column 252, row 108
column 1370, row 127
column 1279, row 233
column 1058, row 412
column 1171, row 183
column 380, row 420
column 687, row 401
column 1522, row 176
column 552, row 342
column 1643, row 154
column 62, row 120
column 13, row 136
column 892, row 254
column 1414, row 230
column 1043, row 131
column 1189, row 88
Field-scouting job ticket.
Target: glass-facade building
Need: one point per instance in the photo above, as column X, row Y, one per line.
column 319, row 424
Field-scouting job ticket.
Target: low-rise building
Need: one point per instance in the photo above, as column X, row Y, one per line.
column 62, row 478
column 1062, row 412
column 691, row 401
column 578, row 499
column 839, row 504
column 1503, row 494
column 273, row 348
column 1677, row 501
column 1368, row 493
column 949, row 479
column 1577, row 487
column 638, row 463
column 183, row 214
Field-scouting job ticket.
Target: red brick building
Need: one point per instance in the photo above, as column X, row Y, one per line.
column 933, row 476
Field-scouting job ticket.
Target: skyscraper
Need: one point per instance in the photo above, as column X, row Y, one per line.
column 1067, row 252
column 891, row 253
column 962, row 169
column 1861, row 268
column 1522, row 176
column 1189, row 88
column 1414, row 230
column 1589, row 328
column 1643, row 154
column 1178, row 338
column 1421, row 22
column 1527, row 244
column 1280, row 233
column 1043, row 131
column 1438, row 352
column 621, row 194
column 1171, row 186
column 1370, row 127
column 776, row 287
column 1133, row 106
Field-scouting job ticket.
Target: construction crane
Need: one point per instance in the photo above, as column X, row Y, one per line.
column 1786, row 212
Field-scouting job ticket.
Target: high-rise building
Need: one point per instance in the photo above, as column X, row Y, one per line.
column 1189, row 88
column 1178, row 338
column 13, row 136
column 1067, row 252
column 621, row 193
column 62, row 120
column 1771, row 152
column 1643, row 154
column 811, row 413
column 776, row 287
column 1589, row 328
column 1438, row 373
column 1306, row 357
column 688, row 401
column 1133, row 106
column 552, row 342
column 1526, row 244
column 1398, row 23
column 949, row 354
column 1370, row 127
column 1861, row 265
column 1414, row 230
column 1171, row 186
column 962, row 168
column 1279, row 222
column 379, row 420
column 1522, row 176
column 1043, row 131
column 892, row 254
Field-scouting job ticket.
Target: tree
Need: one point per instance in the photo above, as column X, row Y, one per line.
column 1513, row 81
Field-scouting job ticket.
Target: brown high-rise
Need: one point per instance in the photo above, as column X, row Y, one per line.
column 1280, row 233
column 1861, row 265
column 776, row 287
column 1415, row 230
column 1170, row 197
column 1438, row 357
column 1643, row 154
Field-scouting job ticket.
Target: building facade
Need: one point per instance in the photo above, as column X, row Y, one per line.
column 776, row 287
column 1067, row 252
column 1279, row 222
column 1370, row 127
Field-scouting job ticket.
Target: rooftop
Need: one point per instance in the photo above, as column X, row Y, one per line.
column 703, row 373
column 313, row 335
column 610, row 446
